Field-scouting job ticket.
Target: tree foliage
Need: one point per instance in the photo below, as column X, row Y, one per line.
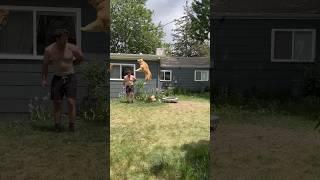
column 132, row 29
column 200, row 19
column 185, row 43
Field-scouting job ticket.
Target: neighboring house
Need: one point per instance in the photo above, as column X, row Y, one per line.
column 189, row 73
column 179, row 72
column 23, row 39
column 264, row 46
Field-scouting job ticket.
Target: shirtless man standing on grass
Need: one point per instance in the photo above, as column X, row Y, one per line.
column 63, row 56
column 128, row 84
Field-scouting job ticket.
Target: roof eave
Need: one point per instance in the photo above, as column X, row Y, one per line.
column 133, row 57
column 169, row 66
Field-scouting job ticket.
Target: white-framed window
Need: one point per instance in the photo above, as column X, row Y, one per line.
column 293, row 45
column 201, row 75
column 29, row 30
column 118, row 71
column 165, row 75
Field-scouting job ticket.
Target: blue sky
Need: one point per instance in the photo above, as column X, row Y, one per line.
column 166, row 11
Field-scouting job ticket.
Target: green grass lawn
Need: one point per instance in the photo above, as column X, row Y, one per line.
column 265, row 144
column 160, row 141
column 34, row 151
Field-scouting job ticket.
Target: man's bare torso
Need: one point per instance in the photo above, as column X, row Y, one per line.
column 129, row 81
column 62, row 60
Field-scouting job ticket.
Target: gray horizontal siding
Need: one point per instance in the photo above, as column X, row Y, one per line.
column 50, row 3
column 29, row 92
column 243, row 55
column 21, row 82
column 185, row 79
column 19, row 97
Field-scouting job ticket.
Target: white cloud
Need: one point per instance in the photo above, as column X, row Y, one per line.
column 166, row 11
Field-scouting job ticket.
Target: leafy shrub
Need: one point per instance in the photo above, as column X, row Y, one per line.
column 94, row 105
column 144, row 95
column 139, row 88
column 39, row 109
column 311, row 81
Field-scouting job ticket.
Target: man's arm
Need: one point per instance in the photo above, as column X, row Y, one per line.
column 77, row 54
column 124, row 81
column 46, row 61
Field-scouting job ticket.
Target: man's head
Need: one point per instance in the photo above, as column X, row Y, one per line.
column 61, row 36
column 129, row 72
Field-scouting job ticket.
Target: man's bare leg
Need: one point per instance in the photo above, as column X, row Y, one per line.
column 131, row 97
column 71, row 112
column 128, row 97
column 57, row 114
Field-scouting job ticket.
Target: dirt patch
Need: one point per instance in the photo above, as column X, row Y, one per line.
column 251, row 152
column 189, row 105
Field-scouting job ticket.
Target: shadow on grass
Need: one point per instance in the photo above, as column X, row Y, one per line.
column 193, row 165
column 43, row 127
column 196, row 160
column 202, row 96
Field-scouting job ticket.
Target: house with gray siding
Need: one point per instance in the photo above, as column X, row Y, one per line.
column 264, row 46
column 27, row 32
column 190, row 73
column 120, row 63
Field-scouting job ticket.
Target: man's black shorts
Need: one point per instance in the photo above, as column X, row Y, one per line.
column 129, row 89
column 64, row 86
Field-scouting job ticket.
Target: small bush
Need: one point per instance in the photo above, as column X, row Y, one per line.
column 40, row 110
column 144, row 95
column 94, row 105
column 311, row 81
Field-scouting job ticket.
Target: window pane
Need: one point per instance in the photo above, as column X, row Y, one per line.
column 162, row 75
column 303, row 45
column 167, row 76
column 115, row 72
column 125, row 68
column 204, row 75
column 198, row 75
column 47, row 23
column 16, row 37
column 283, row 45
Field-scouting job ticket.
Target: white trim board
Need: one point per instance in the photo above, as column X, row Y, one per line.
column 164, row 71
column 40, row 8
column 120, row 64
column 34, row 9
column 198, row 70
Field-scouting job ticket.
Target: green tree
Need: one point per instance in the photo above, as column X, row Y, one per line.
column 184, row 42
column 132, row 29
column 200, row 20
column 168, row 48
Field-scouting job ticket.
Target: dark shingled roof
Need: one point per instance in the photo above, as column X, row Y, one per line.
column 189, row 62
column 289, row 7
column 134, row 57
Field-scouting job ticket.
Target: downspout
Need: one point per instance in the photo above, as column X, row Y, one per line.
column 158, row 71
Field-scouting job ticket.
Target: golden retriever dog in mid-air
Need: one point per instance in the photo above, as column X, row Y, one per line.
column 144, row 68
column 103, row 20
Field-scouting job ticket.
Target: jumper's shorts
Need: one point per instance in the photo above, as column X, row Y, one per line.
column 129, row 89
column 63, row 86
